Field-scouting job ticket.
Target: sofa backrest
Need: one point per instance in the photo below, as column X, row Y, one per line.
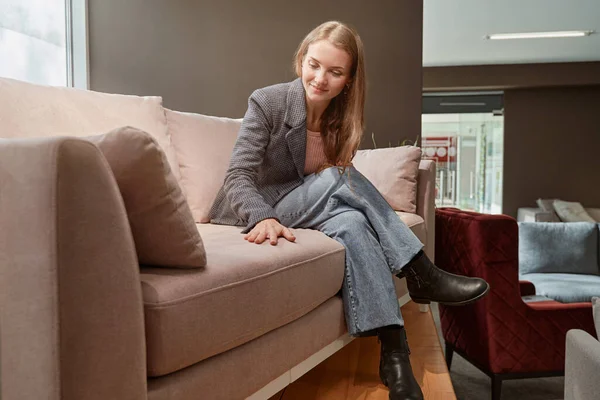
column 203, row 146
column 29, row 110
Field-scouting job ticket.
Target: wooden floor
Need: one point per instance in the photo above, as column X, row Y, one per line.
column 352, row 373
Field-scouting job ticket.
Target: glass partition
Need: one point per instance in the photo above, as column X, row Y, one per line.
column 468, row 149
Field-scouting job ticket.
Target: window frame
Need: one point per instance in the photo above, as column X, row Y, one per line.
column 77, row 40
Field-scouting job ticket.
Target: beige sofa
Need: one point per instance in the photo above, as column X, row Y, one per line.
column 81, row 320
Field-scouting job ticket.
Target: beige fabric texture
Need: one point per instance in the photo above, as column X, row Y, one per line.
column 161, row 221
column 71, row 317
column 426, row 204
column 267, row 357
column 571, row 211
column 393, row 171
column 29, row 110
column 203, row 146
column 245, row 291
column 548, row 206
column 582, row 366
column 594, row 213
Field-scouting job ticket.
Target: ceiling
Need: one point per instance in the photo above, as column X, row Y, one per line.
column 453, row 31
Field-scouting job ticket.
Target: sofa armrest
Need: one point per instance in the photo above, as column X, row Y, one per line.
column 582, row 366
column 530, row 214
column 526, row 288
column 426, row 203
column 480, row 245
column 72, row 314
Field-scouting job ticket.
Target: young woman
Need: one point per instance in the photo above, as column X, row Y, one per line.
column 291, row 168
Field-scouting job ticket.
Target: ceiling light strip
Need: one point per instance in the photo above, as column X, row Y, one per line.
column 538, row 35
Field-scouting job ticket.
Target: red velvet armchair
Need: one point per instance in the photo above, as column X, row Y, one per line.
column 500, row 334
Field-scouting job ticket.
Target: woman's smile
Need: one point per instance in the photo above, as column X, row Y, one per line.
column 317, row 89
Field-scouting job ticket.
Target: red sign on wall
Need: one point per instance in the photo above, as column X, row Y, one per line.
column 439, row 148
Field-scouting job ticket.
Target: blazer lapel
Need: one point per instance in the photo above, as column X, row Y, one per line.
column 295, row 118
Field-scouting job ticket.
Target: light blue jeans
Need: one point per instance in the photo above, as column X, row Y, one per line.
column 348, row 208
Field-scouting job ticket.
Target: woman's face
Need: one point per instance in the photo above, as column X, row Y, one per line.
column 325, row 71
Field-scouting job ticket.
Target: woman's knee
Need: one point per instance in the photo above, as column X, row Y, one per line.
column 354, row 219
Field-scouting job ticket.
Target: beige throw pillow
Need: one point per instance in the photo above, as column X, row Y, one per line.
column 393, row 171
column 163, row 229
column 203, row 146
column 547, row 205
column 571, row 211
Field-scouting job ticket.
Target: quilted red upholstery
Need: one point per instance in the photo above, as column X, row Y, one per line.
column 500, row 333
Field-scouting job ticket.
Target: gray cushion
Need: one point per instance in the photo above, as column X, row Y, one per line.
column 558, row 247
column 566, row 288
column 596, row 308
column 535, row 298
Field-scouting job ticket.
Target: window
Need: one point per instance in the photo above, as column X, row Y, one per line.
column 465, row 135
column 44, row 41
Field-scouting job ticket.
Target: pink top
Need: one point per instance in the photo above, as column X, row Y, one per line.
column 315, row 152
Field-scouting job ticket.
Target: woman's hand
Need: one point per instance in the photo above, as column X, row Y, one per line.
column 269, row 228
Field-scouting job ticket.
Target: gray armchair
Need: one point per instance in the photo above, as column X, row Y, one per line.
column 582, row 366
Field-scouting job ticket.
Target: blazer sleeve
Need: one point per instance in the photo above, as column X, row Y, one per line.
column 241, row 179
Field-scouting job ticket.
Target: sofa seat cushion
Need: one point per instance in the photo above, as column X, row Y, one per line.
column 244, row 291
column 566, row 288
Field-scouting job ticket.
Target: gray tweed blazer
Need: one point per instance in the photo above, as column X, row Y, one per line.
column 268, row 157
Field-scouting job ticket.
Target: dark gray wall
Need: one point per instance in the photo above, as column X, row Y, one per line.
column 510, row 76
column 207, row 56
column 551, row 146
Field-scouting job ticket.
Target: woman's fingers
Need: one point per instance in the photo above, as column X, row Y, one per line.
column 262, row 235
column 273, row 235
column 251, row 236
column 287, row 233
column 271, row 230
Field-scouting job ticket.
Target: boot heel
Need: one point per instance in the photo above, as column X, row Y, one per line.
column 420, row 301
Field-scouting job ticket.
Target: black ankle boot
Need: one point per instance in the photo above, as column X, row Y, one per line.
column 427, row 283
column 395, row 370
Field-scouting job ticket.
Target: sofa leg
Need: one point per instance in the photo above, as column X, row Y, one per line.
column 449, row 354
column 496, row 387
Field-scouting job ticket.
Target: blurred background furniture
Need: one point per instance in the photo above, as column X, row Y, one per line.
column 582, row 366
column 509, row 334
column 536, row 214
column 560, row 259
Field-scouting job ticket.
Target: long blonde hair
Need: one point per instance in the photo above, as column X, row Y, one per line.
column 342, row 122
